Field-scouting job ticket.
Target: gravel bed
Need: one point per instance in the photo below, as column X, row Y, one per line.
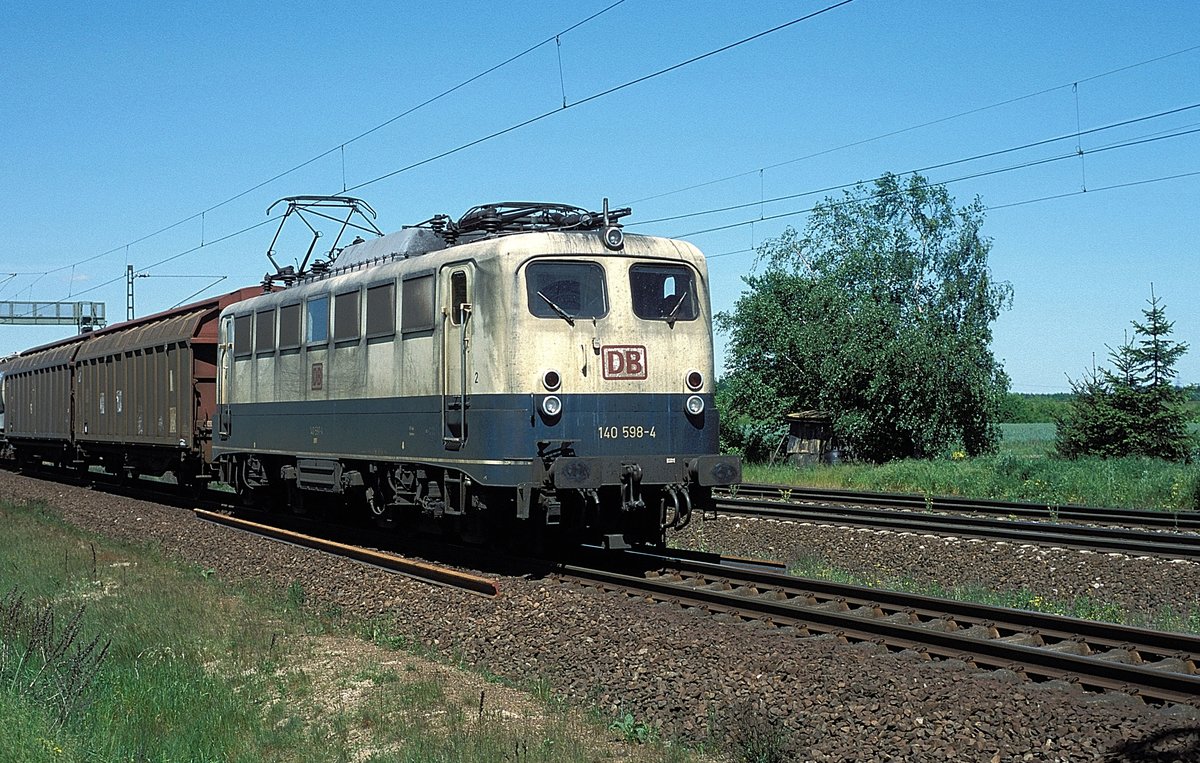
column 1143, row 586
column 694, row 677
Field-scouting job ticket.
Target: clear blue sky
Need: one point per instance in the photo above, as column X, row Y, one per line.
column 118, row 119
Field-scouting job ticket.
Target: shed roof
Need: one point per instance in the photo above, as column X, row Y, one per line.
column 813, row 417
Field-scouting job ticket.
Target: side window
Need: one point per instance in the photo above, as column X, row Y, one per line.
column 289, row 327
column 242, row 346
column 345, row 316
column 566, row 290
column 663, row 292
column 264, row 331
column 417, row 304
column 458, row 296
column 381, row 310
column 318, row 320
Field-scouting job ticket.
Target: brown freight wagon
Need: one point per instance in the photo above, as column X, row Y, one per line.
column 37, row 394
column 136, row 397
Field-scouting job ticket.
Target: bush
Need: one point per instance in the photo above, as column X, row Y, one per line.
column 756, row 441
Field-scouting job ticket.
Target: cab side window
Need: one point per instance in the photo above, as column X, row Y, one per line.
column 318, row 320
column 242, row 326
column 381, row 310
column 264, row 331
column 458, row 296
column 289, row 326
column 345, row 316
column 416, row 312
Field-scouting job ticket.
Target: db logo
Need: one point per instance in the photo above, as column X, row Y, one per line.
column 624, row 361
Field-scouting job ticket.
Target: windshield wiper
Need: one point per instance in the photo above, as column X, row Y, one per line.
column 561, row 313
column 679, row 304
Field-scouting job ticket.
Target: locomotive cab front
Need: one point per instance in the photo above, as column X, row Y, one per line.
column 615, row 349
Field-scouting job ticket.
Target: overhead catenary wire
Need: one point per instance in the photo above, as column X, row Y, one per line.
column 341, row 146
column 556, row 38
column 760, row 202
column 511, row 128
column 793, row 213
column 972, row 176
column 920, row 126
column 601, row 94
column 991, row 207
column 185, row 252
column 927, row 168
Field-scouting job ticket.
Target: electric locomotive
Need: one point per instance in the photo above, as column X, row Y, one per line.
column 527, row 368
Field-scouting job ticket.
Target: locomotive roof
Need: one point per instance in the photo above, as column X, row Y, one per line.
column 486, row 222
column 413, row 242
column 408, row 242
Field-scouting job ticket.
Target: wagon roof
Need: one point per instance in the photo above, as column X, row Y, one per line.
column 148, row 331
column 137, row 336
column 48, row 356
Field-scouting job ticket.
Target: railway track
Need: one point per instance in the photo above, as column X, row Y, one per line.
column 826, row 507
column 1179, row 521
column 1157, row 666
column 429, row 573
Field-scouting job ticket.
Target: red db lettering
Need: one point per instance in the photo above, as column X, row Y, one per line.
column 633, row 364
column 626, row 361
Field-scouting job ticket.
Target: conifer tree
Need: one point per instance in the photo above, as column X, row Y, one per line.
column 1132, row 409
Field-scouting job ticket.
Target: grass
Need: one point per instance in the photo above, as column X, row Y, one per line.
column 1024, row 469
column 198, row 671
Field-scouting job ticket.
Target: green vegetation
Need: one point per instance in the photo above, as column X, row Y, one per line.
column 1024, row 408
column 1132, row 409
column 1023, row 470
column 1083, row 607
column 195, row 671
column 879, row 313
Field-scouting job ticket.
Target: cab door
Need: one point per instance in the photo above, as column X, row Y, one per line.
column 225, row 376
column 456, row 283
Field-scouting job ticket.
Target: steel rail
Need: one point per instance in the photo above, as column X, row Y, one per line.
column 1158, row 666
column 429, row 573
column 1110, row 539
column 1166, row 520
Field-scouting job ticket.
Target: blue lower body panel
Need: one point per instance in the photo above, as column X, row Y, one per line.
column 505, row 440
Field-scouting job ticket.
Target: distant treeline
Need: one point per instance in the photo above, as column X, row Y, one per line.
column 1024, row 408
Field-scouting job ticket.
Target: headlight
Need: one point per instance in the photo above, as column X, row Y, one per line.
column 694, row 380
column 614, row 238
column 695, row 405
column 552, row 406
column 551, row 379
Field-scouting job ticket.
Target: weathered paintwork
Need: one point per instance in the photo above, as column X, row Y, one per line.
column 406, row 385
column 455, row 365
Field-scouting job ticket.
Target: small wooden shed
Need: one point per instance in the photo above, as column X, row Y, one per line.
column 810, row 437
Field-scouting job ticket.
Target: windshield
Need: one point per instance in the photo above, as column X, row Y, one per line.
column 566, row 290
column 663, row 292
